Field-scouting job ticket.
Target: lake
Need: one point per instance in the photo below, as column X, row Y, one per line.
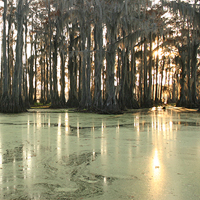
column 61, row 154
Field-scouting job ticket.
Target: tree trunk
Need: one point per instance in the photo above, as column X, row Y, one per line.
column 145, row 100
column 35, row 91
column 5, row 64
column 72, row 74
column 98, row 38
column 80, row 79
column 133, row 103
column 140, row 94
column 195, row 46
column 111, row 105
column 150, row 73
column 5, row 99
column 11, row 62
column 88, row 71
column 30, row 69
column 189, row 96
column 83, row 70
column 47, row 99
column 62, row 95
column 44, row 76
column 182, row 101
column 118, row 76
column 174, row 88
column 31, row 62
column 25, row 70
column 161, row 84
column 42, row 79
column 55, row 98
column 121, row 86
column 156, row 92
column 18, row 104
column 46, row 91
column 50, row 35
column 129, row 99
column 10, row 50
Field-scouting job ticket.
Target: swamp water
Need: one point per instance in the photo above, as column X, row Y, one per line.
column 58, row 154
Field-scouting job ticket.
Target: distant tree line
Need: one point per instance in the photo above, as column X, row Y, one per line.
column 99, row 55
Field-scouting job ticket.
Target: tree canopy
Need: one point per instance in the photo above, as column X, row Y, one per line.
column 99, row 55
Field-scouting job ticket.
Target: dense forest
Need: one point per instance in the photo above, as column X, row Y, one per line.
column 99, row 55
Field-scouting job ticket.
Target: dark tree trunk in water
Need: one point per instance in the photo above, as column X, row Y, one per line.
column 10, row 50
column 146, row 102
column 45, row 76
column 50, row 36
column 111, row 104
column 5, row 60
column 17, row 102
column 189, row 96
column 161, row 84
column 62, row 94
column 72, row 74
column 182, row 101
column 156, row 92
column 130, row 101
column 80, row 80
column 42, row 79
column 35, row 59
column 55, row 101
column 5, row 99
column 83, row 103
column 25, row 71
column 150, row 73
column 122, row 76
column 98, row 66
column 140, row 94
column 31, row 62
column 194, row 74
column 88, row 70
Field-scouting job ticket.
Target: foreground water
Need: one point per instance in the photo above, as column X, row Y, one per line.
column 46, row 154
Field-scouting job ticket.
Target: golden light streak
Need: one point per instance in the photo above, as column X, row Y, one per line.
column 159, row 53
column 156, row 163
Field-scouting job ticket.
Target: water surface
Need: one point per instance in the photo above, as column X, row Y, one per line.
column 57, row 154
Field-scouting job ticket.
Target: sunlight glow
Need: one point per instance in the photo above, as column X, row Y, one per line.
column 156, row 163
column 105, row 180
column 38, row 118
column 159, row 53
column 103, row 141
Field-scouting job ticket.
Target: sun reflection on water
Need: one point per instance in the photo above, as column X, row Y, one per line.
column 162, row 131
column 156, row 164
column 157, row 174
column 78, row 133
column 103, row 140
column 38, row 118
column 67, row 123
column 59, row 137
